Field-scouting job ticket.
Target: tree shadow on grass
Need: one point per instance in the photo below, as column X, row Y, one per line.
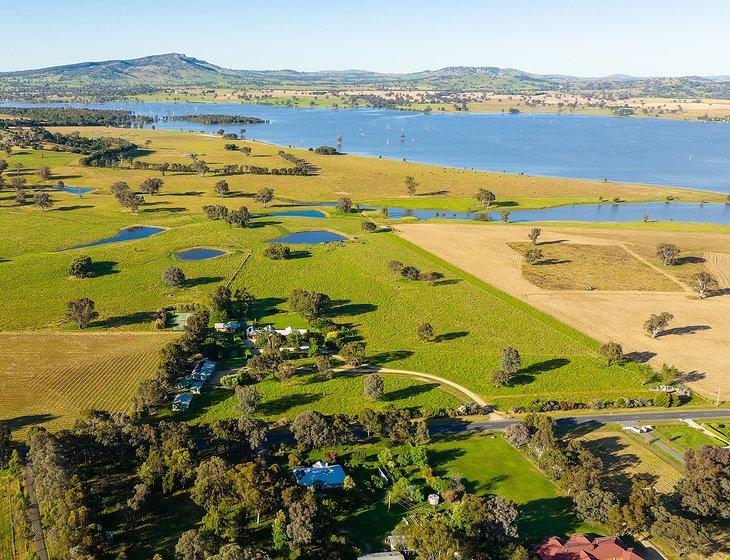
column 202, row 281
column 280, row 405
column 140, row 317
column 576, row 429
column 447, row 282
column 266, row 306
column 299, row 254
column 385, row 357
column 527, row 375
column 439, row 458
column 187, row 193
column 408, row 392
column 547, row 516
column 504, row 203
column 551, row 261
column 346, row 307
column 239, row 194
column 552, row 242
column 173, row 210
column 263, row 223
column 689, row 329
column 689, row 260
column 74, row 207
column 28, row 420
column 103, row 268
column 445, row 337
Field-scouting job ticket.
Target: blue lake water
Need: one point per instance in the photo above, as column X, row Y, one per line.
column 298, row 214
column 127, row 234
column 681, row 153
column 75, row 190
column 606, row 212
column 199, row 254
column 309, row 238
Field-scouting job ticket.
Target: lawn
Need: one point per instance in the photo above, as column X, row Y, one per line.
column 488, row 465
column 343, row 394
column 682, row 437
column 565, row 266
column 13, row 541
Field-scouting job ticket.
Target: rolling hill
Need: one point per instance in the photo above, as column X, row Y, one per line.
column 114, row 78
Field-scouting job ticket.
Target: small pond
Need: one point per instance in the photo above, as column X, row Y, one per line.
column 299, row 214
column 314, row 237
column 75, row 190
column 199, row 254
column 126, row 234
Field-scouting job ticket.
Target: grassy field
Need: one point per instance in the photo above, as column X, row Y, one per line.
column 472, row 319
column 682, row 437
column 305, row 392
column 625, row 455
column 566, row 266
column 53, row 377
column 13, row 542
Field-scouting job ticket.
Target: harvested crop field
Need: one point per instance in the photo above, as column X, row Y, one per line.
column 696, row 341
column 52, row 377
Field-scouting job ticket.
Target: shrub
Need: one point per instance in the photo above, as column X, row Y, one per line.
column 277, row 251
column 174, row 276
column 81, row 267
column 369, row 226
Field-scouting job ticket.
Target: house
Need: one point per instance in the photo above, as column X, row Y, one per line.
column 639, row 429
column 321, row 476
column 252, row 332
column 393, row 555
column 580, row 547
column 191, row 384
column 182, row 402
column 203, row 370
column 228, row 327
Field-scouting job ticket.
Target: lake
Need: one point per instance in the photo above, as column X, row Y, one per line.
column 199, row 254
column 314, row 237
column 127, row 234
column 653, row 151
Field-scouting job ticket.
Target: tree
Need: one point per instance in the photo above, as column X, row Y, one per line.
column 191, row 546
column 668, row 374
column 3, row 166
column 613, row 352
column 486, row 197
column 373, row 386
column 704, row 490
column 594, row 504
column 422, row 436
column 278, row 530
column 667, row 252
column 151, row 185
column 311, row 305
column 312, row 429
column 369, row 226
column 704, row 283
column 411, row 185
column 238, row 218
column 686, row 535
column 174, row 276
column 301, row 528
column 425, row 332
column 264, row 196
column 248, row 398
column 500, row 378
column 324, row 366
column 511, row 360
column 221, row 188
column 533, row 255
column 517, row 434
column 534, row 234
column 410, row 273
column 655, row 324
column 277, row 251
column 344, row 205
column 432, row 538
column 353, row 352
column 81, row 267
column 81, row 311
column 504, row 216
column 130, row 200
column 44, row 173
column 17, row 183
column 5, row 445
column 119, row 188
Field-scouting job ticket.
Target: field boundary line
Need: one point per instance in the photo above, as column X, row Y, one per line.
column 651, row 265
column 240, row 267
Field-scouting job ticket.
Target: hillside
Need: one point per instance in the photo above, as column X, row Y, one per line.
column 114, row 78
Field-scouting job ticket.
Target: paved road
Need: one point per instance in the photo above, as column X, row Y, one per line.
column 567, row 422
column 35, row 518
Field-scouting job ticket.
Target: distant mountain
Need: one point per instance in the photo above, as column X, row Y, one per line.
column 115, row 78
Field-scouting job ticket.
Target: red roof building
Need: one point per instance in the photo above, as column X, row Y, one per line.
column 580, row 547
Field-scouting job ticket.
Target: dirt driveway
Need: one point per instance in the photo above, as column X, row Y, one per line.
column 698, row 341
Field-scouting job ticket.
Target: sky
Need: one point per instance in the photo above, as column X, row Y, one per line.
column 576, row 37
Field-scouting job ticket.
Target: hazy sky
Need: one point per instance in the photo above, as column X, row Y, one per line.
column 580, row 37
